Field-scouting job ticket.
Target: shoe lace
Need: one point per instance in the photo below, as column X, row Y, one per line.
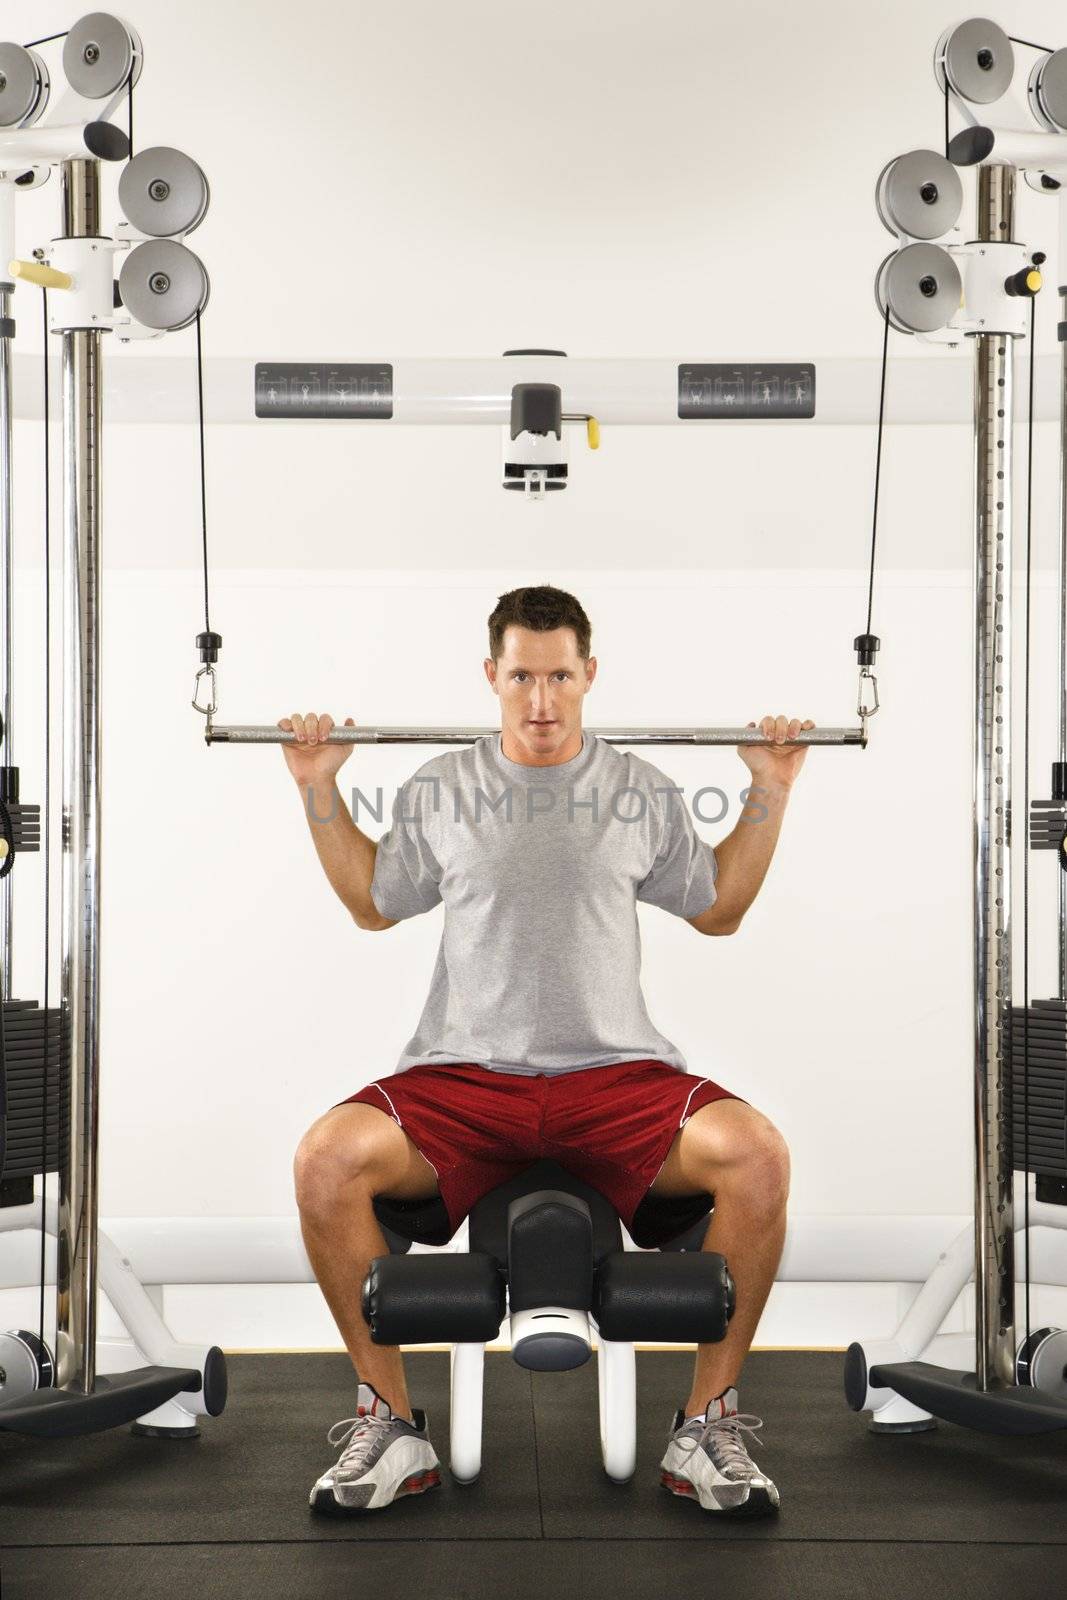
column 363, row 1432
column 730, row 1452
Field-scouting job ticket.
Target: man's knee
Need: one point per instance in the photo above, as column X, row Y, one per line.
column 743, row 1152
column 350, row 1144
column 763, row 1169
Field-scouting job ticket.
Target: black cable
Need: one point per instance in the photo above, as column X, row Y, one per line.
column 46, row 831
column 1029, row 45
column 878, row 462
column 129, row 107
column 203, row 472
column 946, row 116
column 35, row 42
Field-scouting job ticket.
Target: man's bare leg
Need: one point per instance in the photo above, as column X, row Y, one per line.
column 752, row 1242
column 347, row 1157
column 732, row 1151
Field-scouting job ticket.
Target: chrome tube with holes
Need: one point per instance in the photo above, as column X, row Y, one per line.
column 76, row 1255
column 994, row 1236
column 7, row 572
column 1061, row 650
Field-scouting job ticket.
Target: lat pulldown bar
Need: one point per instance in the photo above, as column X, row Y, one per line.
column 248, row 734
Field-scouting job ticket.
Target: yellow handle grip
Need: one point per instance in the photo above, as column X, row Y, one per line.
column 592, row 432
column 37, row 272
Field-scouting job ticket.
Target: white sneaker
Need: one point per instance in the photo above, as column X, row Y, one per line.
column 707, row 1460
column 383, row 1458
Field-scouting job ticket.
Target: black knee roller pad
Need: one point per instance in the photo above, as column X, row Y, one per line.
column 687, row 1297
column 426, row 1299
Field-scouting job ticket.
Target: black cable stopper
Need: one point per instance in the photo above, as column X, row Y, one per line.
column 866, row 647
column 209, row 645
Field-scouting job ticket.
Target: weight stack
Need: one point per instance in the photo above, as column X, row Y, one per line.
column 1040, row 1148
column 36, row 1074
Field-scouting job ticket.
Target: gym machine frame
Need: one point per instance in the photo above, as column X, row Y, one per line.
column 970, row 61
column 991, row 1397
column 163, row 286
column 66, row 1395
column 982, row 289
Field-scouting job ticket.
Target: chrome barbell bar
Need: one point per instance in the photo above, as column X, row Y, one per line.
column 244, row 733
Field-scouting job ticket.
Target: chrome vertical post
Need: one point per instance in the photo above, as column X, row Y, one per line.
column 76, row 1261
column 994, row 1220
column 1061, row 651
column 7, row 578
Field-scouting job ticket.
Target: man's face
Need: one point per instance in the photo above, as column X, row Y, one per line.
column 541, row 681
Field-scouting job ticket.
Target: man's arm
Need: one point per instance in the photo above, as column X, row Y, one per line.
column 347, row 855
column 743, row 858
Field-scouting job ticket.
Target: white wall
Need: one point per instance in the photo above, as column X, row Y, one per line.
column 631, row 178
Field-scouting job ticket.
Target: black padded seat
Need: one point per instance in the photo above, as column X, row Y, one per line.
column 675, row 1224
column 546, row 1253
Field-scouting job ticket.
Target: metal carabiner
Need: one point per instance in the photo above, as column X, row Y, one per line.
column 862, row 711
column 208, row 710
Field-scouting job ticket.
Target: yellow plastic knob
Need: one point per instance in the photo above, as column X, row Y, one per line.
column 592, row 432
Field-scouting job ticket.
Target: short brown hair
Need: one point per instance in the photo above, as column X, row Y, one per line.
column 540, row 608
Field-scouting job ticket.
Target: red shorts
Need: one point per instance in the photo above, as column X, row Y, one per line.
column 611, row 1127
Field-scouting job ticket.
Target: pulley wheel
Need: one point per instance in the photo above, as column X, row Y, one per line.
column 163, row 284
column 163, row 192
column 23, row 85
column 98, row 55
column 977, row 59
column 921, row 286
column 25, row 1365
column 1042, row 1362
column 920, row 195
column 1048, row 90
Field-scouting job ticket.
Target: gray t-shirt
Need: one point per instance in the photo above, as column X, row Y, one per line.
column 539, row 869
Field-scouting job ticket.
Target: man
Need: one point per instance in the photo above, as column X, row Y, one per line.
column 534, row 1040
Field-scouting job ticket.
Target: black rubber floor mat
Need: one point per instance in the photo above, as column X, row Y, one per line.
column 247, row 1479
